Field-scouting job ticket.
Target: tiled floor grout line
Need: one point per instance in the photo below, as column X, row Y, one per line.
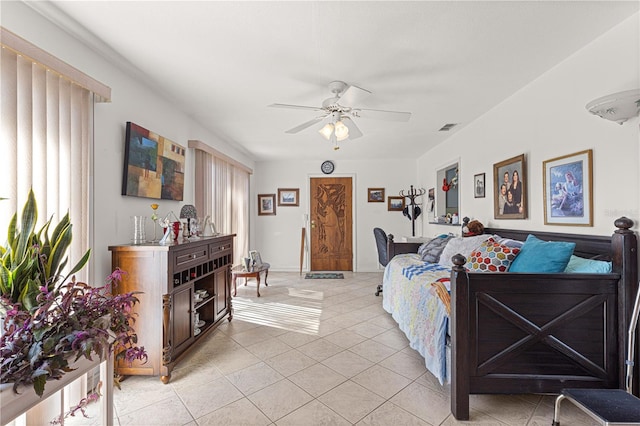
column 348, row 302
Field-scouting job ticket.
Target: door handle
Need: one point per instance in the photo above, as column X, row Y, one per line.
column 313, row 224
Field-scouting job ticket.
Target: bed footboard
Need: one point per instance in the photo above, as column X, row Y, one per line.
column 533, row 333
column 539, row 333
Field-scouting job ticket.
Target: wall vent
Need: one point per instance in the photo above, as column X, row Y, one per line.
column 447, row 127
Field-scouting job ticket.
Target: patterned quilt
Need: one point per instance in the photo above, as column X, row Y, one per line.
column 413, row 303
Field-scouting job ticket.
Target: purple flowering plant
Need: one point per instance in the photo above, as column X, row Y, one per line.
column 50, row 320
column 74, row 321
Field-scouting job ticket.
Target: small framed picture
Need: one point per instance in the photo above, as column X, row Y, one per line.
column 288, row 196
column 510, row 188
column 375, row 195
column 395, row 204
column 266, row 204
column 478, row 185
column 568, row 194
column 431, row 200
column 256, row 260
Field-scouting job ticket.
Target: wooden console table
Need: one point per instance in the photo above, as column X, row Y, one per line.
column 238, row 271
column 168, row 277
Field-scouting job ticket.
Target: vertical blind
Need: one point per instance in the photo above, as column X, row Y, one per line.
column 222, row 192
column 46, row 132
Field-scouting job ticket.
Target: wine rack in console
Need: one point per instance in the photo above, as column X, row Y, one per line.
column 185, row 293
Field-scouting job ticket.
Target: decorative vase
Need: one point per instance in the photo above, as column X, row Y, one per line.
column 139, row 223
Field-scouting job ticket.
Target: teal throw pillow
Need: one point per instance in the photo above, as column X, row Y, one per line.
column 537, row 256
column 588, row 266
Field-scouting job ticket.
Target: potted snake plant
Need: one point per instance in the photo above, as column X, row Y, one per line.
column 49, row 319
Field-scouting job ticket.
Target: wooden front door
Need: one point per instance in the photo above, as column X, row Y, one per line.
column 331, row 224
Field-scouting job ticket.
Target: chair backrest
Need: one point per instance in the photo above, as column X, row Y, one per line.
column 381, row 243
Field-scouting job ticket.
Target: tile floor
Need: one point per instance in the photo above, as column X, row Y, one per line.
column 313, row 352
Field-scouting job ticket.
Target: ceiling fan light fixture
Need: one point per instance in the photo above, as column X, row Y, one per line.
column 342, row 131
column 326, row 131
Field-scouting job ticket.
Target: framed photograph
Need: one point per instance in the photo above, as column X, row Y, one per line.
column 510, row 188
column 568, row 193
column 376, row 195
column 478, row 185
column 256, row 260
column 288, row 196
column 395, row 204
column 154, row 166
column 431, row 199
column 266, row 204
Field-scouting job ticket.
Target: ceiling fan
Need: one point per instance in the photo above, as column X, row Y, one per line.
column 339, row 119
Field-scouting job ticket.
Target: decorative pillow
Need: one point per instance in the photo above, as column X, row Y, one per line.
column 509, row 242
column 491, row 256
column 430, row 252
column 537, row 255
column 588, row 266
column 462, row 245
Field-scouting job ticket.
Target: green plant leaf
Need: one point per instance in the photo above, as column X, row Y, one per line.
column 59, row 247
column 38, row 384
column 27, row 225
column 11, row 231
column 81, row 263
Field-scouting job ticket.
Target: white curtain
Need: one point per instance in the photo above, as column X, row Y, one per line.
column 222, row 192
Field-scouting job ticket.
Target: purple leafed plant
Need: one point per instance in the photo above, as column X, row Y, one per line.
column 71, row 321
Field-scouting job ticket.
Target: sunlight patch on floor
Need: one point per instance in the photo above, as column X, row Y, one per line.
column 301, row 319
column 308, row 294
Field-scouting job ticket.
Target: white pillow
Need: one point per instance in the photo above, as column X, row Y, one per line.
column 462, row 245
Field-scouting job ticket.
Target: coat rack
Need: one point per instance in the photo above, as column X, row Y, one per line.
column 412, row 210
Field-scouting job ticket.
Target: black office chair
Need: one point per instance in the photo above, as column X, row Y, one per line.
column 381, row 244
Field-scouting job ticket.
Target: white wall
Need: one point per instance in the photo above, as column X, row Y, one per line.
column 547, row 119
column 278, row 237
column 132, row 100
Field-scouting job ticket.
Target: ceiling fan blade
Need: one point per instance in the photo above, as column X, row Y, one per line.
column 296, row 107
column 379, row 114
column 305, row 125
column 352, row 95
column 354, row 132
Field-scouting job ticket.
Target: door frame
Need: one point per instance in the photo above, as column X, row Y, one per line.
column 354, row 208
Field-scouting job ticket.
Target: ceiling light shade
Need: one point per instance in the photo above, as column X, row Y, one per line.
column 618, row 107
column 326, row 131
column 342, row 131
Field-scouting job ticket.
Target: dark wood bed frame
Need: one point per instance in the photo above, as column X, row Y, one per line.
column 514, row 333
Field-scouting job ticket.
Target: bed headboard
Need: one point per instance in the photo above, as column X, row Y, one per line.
column 588, row 246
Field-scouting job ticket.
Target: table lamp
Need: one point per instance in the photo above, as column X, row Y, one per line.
column 188, row 212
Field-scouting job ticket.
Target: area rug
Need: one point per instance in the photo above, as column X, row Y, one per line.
column 323, row 276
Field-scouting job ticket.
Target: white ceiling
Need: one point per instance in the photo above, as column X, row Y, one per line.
column 224, row 62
